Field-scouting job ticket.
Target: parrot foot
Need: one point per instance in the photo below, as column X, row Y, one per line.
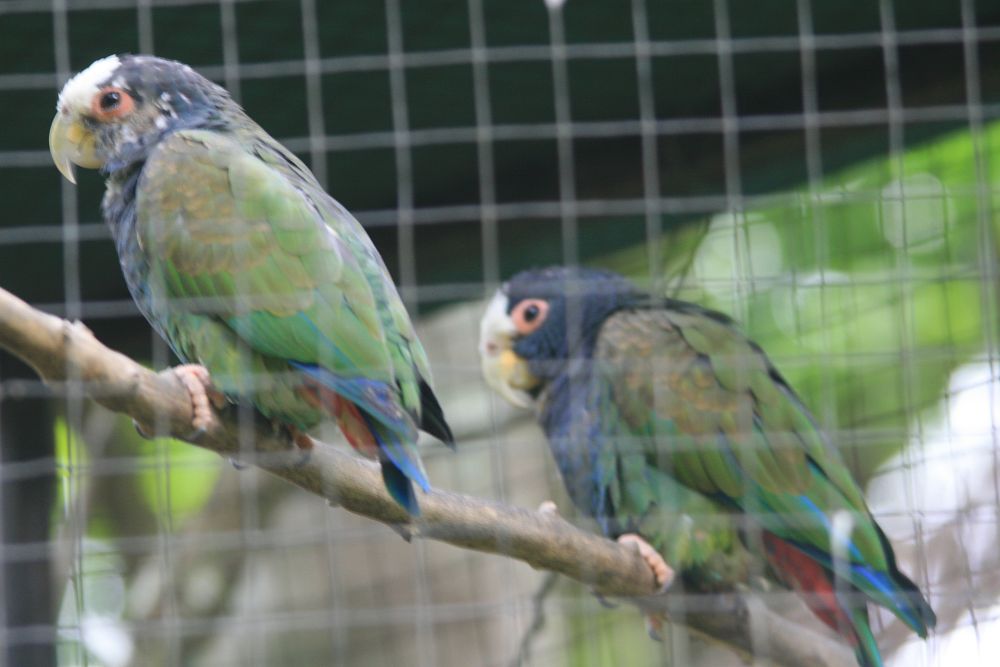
column 198, row 383
column 662, row 572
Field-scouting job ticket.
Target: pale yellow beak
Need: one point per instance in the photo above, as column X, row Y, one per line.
column 70, row 143
column 504, row 371
column 509, row 375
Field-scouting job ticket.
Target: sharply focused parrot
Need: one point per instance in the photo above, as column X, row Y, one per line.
column 265, row 286
column 672, row 428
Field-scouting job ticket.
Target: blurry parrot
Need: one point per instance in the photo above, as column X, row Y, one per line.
column 267, row 288
column 677, row 433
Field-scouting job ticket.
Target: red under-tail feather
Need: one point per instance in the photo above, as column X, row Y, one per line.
column 803, row 574
column 346, row 414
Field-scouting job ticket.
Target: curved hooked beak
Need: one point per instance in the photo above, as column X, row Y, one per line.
column 70, row 143
column 504, row 371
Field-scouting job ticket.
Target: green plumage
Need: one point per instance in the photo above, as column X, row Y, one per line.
column 704, row 405
column 665, row 420
column 236, row 255
column 254, row 272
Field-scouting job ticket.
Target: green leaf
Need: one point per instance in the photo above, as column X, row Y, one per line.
column 176, row 479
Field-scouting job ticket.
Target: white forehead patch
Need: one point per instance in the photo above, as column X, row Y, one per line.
column 496, row 323
column 80, row 90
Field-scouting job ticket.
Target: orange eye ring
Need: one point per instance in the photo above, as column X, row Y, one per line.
column 111, row 103
column 529, row 315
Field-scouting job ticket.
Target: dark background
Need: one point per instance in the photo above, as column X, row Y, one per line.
column 440, row 113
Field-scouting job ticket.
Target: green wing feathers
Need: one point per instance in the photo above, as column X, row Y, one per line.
column 234, row 239
column 730, row 427
column 716, row 418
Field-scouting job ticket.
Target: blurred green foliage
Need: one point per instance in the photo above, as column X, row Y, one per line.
column 175, row 480
column 172, row 479
column 162, row 484
column 71, row 456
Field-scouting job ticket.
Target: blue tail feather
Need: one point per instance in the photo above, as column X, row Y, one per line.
column 396, row 452
column 400, row 487
column 891, row 590
column 900, row 597
column 392, row 428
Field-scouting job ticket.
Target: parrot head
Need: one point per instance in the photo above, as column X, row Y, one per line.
column 110, row 115
column 541, row 319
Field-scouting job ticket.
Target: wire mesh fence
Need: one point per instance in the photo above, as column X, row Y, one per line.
column 822, row 172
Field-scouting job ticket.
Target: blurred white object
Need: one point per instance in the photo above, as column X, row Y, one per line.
column 937, row 501
column 107, row 640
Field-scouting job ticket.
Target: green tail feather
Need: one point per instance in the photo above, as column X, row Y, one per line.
column 866, row 652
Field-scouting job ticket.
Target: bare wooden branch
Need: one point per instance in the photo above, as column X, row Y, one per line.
column 66, row 352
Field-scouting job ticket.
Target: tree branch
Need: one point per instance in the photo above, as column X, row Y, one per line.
column 67, row 354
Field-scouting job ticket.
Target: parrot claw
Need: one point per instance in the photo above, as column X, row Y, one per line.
column 604, row 602
column 662, row 572
column 198, row 383
column 237, row 464
column 196, row 434
column 403, row 530
column 654, row 626
column 141, row 430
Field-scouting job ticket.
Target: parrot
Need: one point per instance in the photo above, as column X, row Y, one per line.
column 265, row 287
column 675, row 432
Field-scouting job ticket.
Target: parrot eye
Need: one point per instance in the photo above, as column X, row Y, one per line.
column 110, row 100
column 529, row 315
column 111, row 103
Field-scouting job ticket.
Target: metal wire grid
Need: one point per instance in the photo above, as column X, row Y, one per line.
column 568, row 208
column 490, row 213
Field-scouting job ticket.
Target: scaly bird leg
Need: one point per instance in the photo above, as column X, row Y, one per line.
column 662, row 573
column 198, row 382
